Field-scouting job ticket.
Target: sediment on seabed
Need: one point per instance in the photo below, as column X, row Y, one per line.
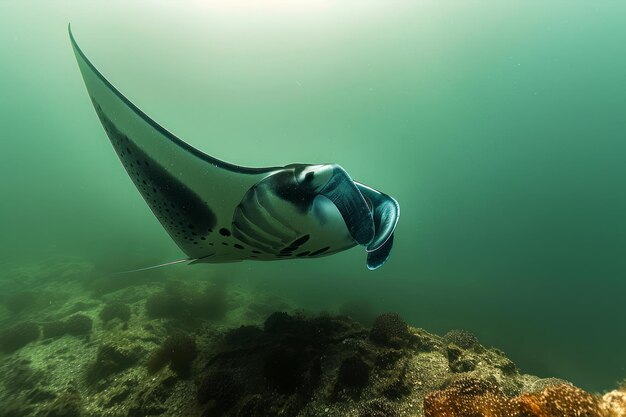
column 79, row 343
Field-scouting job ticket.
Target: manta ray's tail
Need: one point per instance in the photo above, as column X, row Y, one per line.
column 157, row 266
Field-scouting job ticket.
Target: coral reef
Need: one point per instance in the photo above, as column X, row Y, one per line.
column 166, row 348
column 18, row 336
column 559, row 400
column 613, row 403
column 115, row 310
column 282, row 362
column 458, row 361
column 474, row 397
column 389, row 330
column 292, row 366
column 352, row 377
column 462, row 339
column 353, row 372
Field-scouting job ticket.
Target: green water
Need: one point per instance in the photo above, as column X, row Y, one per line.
column 498, row 126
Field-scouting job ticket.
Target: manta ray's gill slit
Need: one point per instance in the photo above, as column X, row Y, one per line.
column 300, row 241
column 295, row 245
column 181, row 212
column 319, row 251
column 256, row 242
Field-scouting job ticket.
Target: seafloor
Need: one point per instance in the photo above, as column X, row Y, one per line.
column 78, row 342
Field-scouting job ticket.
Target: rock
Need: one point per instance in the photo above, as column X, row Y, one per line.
column 463, row 339
column 68, row 404
column 78, row 325
column 75, row 325
column 354, row 372
column 222, row 388
column 115, row 310
column 53, row 329
column 113, row 357
column 18, row 336
column 20, row 301
column 378, row 408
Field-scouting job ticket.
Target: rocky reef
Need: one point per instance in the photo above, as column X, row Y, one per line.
column 162, row 347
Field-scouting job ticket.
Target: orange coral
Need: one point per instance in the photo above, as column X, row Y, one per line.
column 614, row 403
column 476, row 398
column 560, row 400
column 469, row 397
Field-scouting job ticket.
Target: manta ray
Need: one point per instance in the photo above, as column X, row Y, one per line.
column 217, row 211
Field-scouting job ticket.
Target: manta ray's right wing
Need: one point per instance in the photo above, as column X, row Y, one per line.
column 192, row 194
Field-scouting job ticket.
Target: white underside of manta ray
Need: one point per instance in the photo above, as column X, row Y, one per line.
column 220, row 212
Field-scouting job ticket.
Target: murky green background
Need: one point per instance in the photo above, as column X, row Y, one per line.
column 499, row 126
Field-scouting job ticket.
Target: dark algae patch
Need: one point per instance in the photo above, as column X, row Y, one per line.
column 18, row 336
column 115, row 310
column 180, row 301
column 178, row 351
column 75, row 325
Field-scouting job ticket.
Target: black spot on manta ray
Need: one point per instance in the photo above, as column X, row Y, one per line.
column 224, row 232
column 158, row 187
column 238, row 246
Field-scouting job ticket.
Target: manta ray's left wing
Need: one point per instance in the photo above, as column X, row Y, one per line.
column 192, row 194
